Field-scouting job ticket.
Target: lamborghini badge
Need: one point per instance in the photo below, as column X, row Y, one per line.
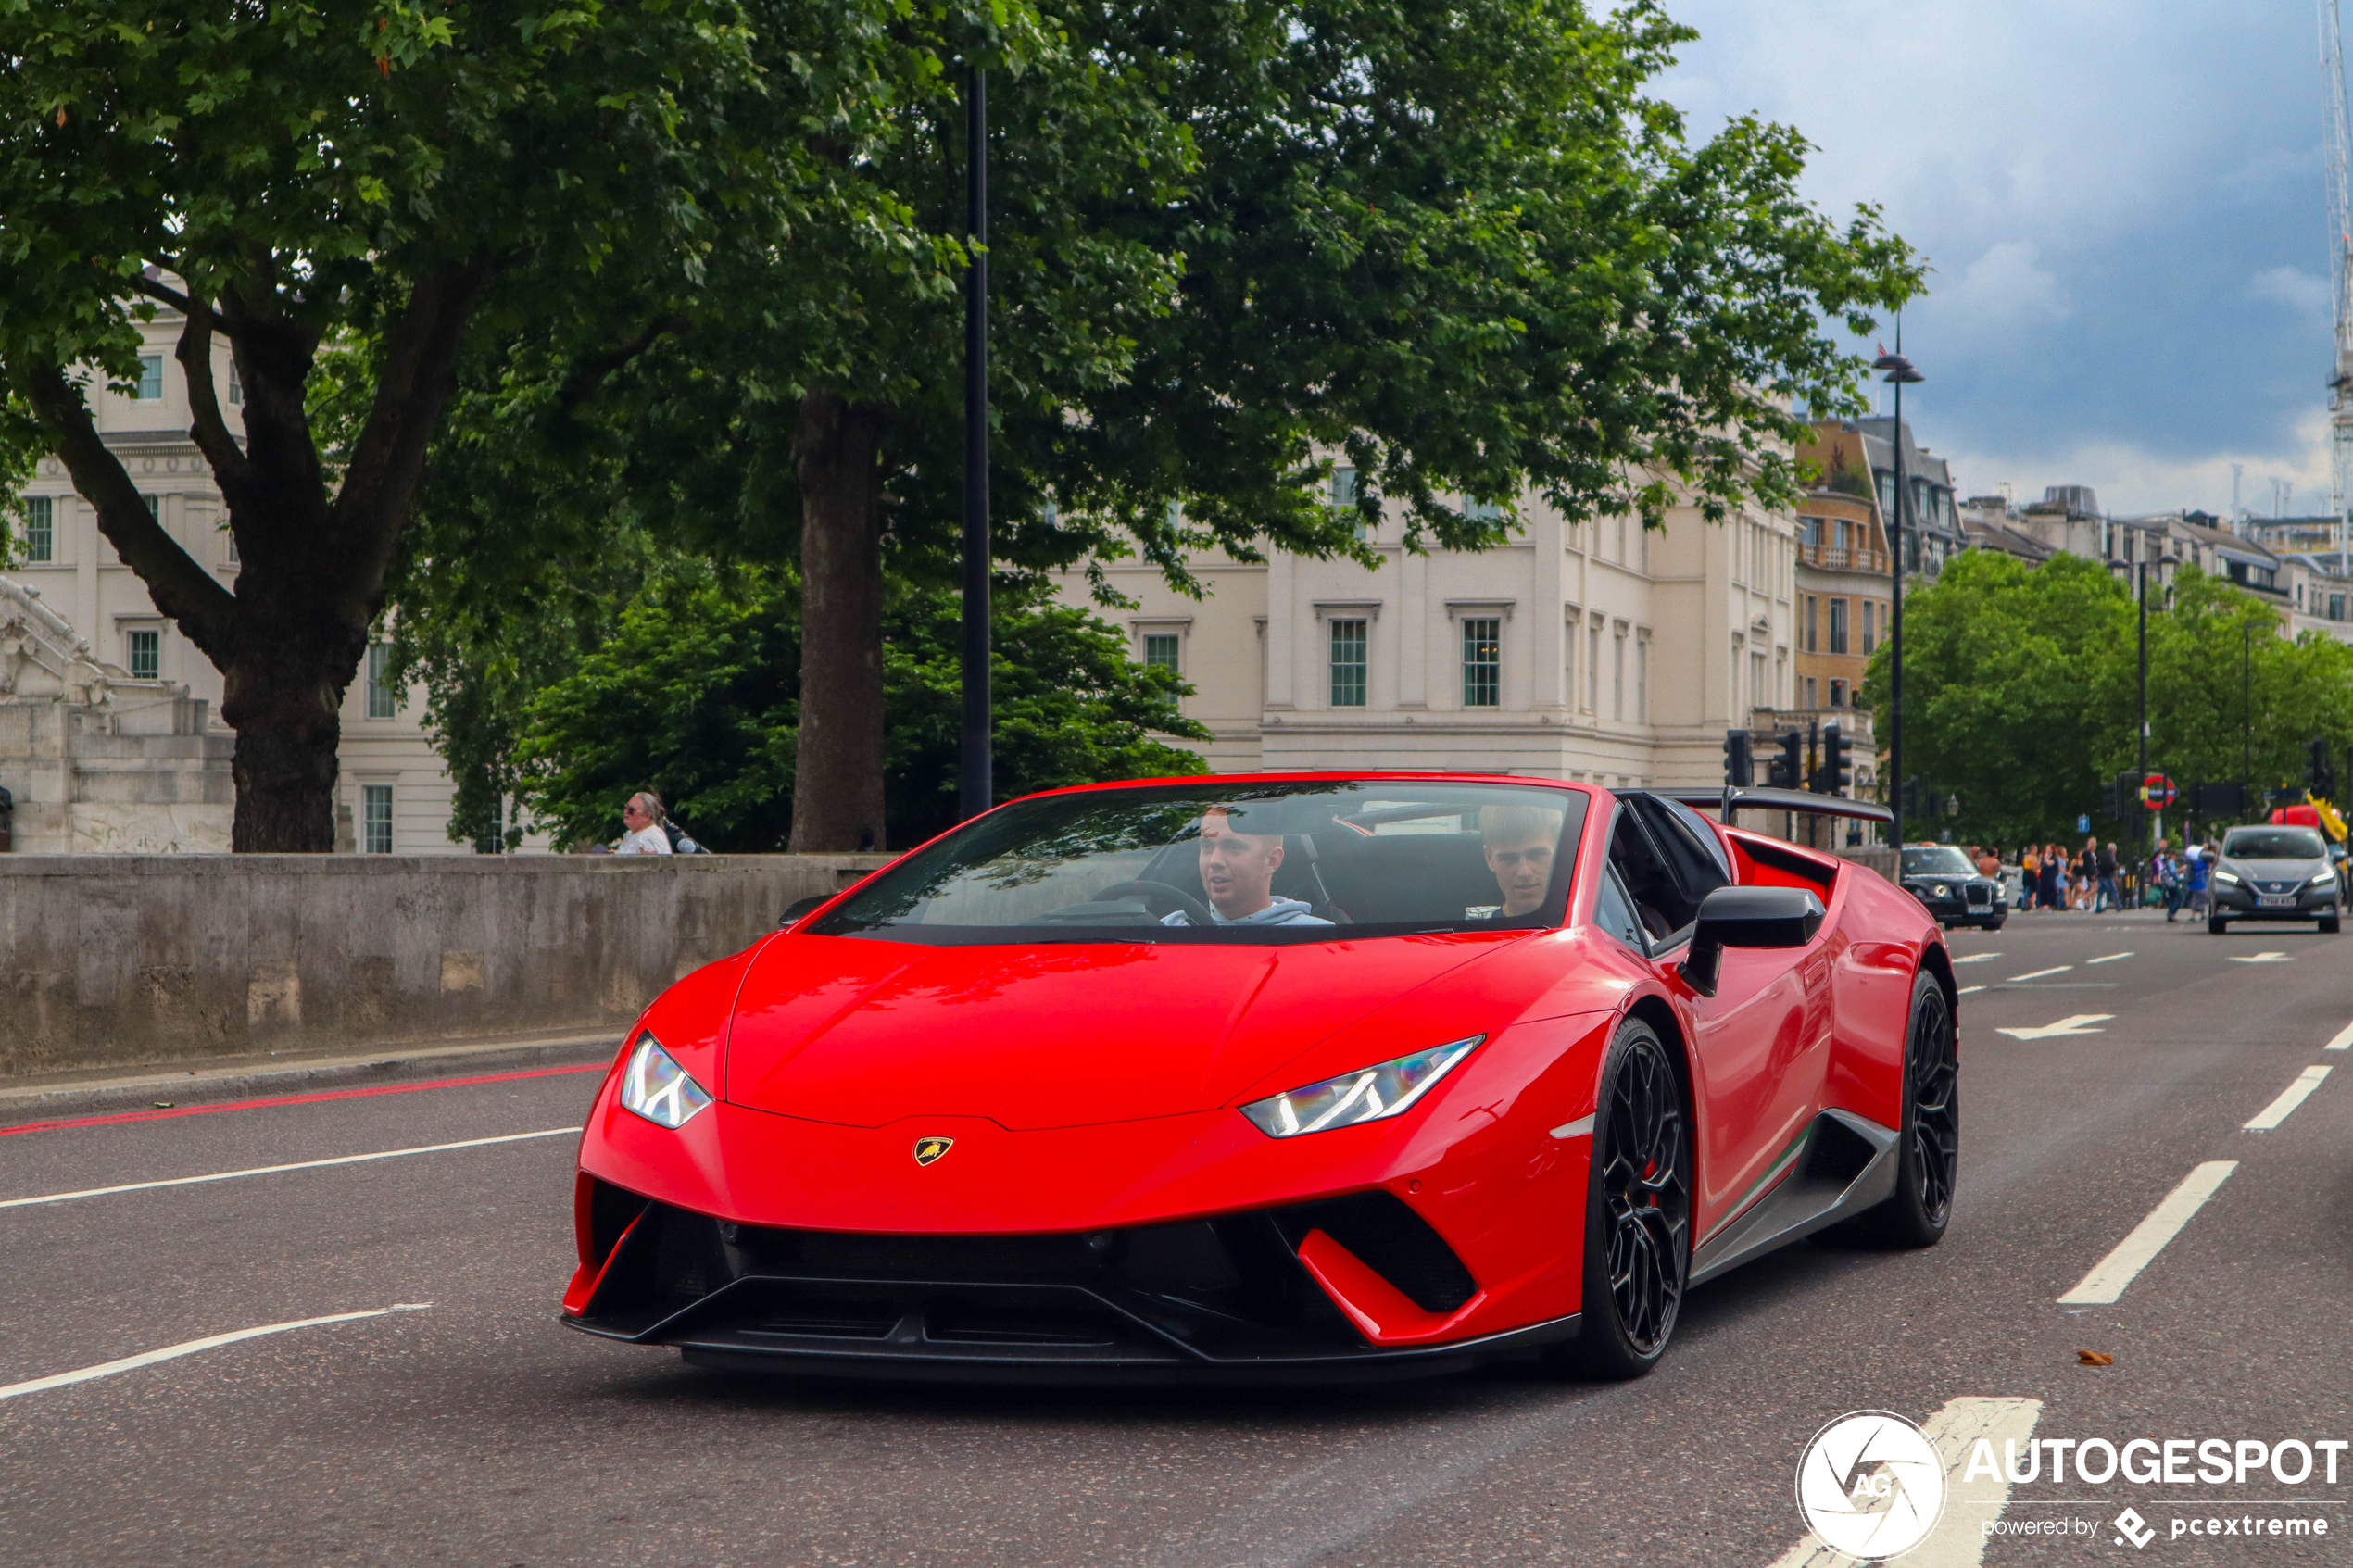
column 929, row 1149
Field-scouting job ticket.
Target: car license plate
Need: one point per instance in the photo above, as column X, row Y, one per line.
column 2277, row 900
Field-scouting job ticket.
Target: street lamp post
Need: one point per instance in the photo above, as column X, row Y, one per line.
column 2162, row 562
column 1901, row 374
column 977, row 787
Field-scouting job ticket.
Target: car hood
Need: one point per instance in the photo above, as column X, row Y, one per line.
column 2273, row 871
column 863, row 1032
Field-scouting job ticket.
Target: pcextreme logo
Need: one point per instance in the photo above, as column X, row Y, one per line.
column 1870, row 1485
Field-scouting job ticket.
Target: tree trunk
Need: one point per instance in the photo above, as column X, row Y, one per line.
column 838, row 779
column 284, row 698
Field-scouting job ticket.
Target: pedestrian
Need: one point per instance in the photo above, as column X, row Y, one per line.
column 1989, row 864
column 2201, row 873
column 2030, row 871
column 2168, row 877
column 641, row 826
column 2110, row 897
column 2054, row 876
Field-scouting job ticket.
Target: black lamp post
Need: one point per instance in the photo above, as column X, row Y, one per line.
column 976, row 788
column 2162, row 562
column 1901, row 374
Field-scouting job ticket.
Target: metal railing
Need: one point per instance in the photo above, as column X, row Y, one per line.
column 1835, row 558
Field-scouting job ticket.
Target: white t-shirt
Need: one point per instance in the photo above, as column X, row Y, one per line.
column 645, row 841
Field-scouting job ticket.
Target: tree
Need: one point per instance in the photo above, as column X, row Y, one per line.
column 2021, row 690
column 314, row 177
column 695, row 696
column 1455, row 245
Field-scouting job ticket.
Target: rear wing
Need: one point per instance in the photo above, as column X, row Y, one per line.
column 1744, row 797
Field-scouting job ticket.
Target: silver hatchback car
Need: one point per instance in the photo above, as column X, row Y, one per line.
column 2274, row 873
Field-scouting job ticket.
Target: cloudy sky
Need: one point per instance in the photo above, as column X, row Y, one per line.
column 2124, row 205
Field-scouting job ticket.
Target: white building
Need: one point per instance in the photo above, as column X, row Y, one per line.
column 392, row 784
column 1599, row 652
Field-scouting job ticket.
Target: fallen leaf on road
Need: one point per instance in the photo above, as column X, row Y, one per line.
column 163, row 1105
column 2094, row 1357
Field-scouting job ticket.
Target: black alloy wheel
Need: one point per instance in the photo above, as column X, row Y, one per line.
column 1638, row 1212
column 1927, row 1156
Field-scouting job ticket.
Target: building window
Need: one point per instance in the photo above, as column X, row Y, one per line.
column 1618, row 676
column 2337, row 607
column 1759, row 693
column 1482, row 661
column 155, row 508
column 1813, row 642
column 1811, row 690
column 1838, row 694
column 1838, row 626
column 230, row 534
column 1870, row 638
column 375, row 814
column 1593, row 666
column 383, row 698
column 237, row 390
column 39, row 530
column 1642, row 679
column 1348, row 664
column 150, row 378
column 144, row 651
column 1809, row 531
column 1344, row 498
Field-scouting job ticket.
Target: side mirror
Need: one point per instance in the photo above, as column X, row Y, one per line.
column 1747, row 917
column 800, row 906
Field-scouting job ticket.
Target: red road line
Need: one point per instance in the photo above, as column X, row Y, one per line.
column 296, row 1099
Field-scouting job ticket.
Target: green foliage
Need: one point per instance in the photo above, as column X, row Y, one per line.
column 695, row 696
column 2022, row 691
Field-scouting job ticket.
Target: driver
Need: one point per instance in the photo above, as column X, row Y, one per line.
column 1519, row 843
column 1237, row 872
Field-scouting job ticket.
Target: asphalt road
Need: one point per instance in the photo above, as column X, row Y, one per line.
column 471, row 1429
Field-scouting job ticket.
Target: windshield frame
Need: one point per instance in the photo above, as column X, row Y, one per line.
column 2319, row 852
column 1953, row 850
column 844, row 917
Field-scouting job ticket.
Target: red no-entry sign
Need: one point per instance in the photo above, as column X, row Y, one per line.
column 2157, row 792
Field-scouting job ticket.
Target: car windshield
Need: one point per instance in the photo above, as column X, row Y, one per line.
column 1234, row 861
column 2274, row 844
column 1937, row 859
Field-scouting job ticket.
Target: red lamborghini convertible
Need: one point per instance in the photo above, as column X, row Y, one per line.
column 1261, row 1078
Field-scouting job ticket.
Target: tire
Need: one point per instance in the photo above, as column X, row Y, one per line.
column 1927, row 1158
column 2328, row 925
column 2216, row 926
column 1637, row 1213
column 1997, row 924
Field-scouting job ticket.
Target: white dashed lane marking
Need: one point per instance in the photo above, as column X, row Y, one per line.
column 2109, row 959
column 2261, row 957
column 1959, row 1540
column 189, row 1348
column 1967, row 989
column 2344, row 1041
column 273, row 1170
column 1978, row 958
column 2293, row 1096
column 2038, row 974
column 2108, row 1277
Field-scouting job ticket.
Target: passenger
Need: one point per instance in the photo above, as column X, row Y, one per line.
column 1237, row 872
column 1520, row 842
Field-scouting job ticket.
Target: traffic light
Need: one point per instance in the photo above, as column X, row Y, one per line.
column 1788, row 770
column 2319, row 776
column 1832, row 776
column 1740, row 763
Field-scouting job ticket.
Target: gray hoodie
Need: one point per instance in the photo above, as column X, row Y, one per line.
column 1282, row 912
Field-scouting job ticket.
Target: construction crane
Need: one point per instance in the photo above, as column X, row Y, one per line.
column 2340, row 160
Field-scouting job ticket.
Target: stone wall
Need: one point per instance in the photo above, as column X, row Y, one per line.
column 130, row 958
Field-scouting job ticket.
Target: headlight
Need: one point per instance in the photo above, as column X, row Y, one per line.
column 657, row 1088
column 2226, row 876
column 1368, row 1096
column 1943, row 891
column 2324, row 879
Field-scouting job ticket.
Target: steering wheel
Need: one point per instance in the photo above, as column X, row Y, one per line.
column 1155, row 894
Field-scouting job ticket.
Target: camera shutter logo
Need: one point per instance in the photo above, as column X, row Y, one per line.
column 1871, row 1484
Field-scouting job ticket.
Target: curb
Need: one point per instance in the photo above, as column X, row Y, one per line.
column 390, row 1064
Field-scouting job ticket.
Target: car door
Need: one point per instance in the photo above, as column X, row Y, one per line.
column 1754, row 1039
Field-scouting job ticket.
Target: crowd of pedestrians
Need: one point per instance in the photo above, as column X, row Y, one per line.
column 2093, row 879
